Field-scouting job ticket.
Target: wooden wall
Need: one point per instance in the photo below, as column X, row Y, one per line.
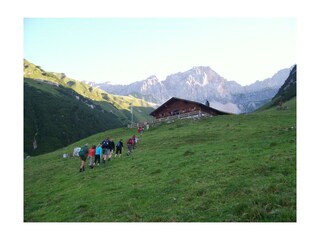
column 176, row 107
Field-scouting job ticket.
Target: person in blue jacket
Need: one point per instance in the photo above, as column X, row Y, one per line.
column 98, row 155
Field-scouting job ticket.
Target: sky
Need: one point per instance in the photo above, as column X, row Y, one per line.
column 125, row 50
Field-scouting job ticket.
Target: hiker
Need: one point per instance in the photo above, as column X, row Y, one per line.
column 91, row 154
column 105, row 149
column 134, row 141
column 119, row 148
column 140, row 131
column 111, row 149
column 98, row 155
column 130, row 146
column 83, row 154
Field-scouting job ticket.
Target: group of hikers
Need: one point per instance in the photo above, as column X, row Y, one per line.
column 105, row 149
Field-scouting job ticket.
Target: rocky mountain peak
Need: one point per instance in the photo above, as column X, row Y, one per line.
column 151, row 80
column 201, row 83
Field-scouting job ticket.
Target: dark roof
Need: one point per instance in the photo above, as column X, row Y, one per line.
column 197, row 103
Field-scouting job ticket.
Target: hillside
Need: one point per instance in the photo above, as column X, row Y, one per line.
column 289, row 89
column 59, row 110
column 222, row 169
column 54, row 117
column 286, row 92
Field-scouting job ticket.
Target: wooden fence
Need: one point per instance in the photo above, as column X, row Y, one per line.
column 194, row 115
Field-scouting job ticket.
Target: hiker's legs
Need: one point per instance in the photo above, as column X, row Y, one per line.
column 97, row 159
column 129, row 149
column 110, row 155
column 118, row 152
column 104, row 156
column 82, row 166
column 91, row 161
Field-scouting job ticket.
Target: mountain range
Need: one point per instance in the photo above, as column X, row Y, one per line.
column 200, row 84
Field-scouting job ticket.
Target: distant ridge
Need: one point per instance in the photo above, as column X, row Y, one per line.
column 200, row 84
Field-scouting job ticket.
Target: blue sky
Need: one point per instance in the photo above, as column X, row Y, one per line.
column 124, row 50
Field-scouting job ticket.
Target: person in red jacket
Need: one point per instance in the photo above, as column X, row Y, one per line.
column 91, row 154
column 130, row 143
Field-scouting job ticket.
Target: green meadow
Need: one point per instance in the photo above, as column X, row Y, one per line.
column 236, row 168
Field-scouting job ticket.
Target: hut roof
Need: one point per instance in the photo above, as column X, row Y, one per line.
column 173, row 99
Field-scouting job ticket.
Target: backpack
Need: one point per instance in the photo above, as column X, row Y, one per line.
column 105, row 143
column 82, row 152
column 119, row 144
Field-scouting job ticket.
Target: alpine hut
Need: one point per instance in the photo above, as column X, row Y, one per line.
column 182, row 108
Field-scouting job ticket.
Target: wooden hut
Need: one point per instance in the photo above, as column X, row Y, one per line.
column 182, row 108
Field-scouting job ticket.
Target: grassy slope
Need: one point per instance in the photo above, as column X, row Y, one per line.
column 226, row 168
column 58, row 118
